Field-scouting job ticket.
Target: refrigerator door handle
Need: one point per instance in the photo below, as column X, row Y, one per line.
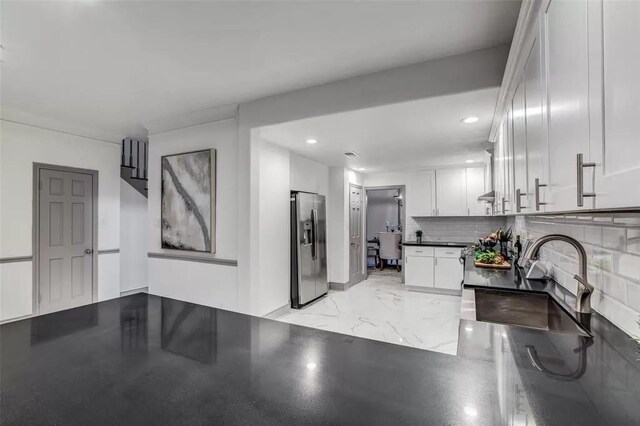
column 314, row 235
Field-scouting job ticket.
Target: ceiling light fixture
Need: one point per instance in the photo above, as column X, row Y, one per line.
column 470, row 411
column 469, row 161
column 469, row 120
column 311, row 141
column 361, row 169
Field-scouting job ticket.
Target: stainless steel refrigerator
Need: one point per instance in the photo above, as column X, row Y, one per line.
column 308, row 248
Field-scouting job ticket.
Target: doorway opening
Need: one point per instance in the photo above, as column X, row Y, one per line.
column 65, row 237
column 385, row 222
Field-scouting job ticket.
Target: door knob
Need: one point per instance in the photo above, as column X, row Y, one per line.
column 88, row 251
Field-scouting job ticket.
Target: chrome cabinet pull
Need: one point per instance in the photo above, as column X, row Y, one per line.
column 504, row 206
column 580, row 179
column 539, row 185
column 519, row 196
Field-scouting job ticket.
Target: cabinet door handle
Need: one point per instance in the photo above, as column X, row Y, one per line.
column 504, row 206
column 580, row 164
column 519, row 196
column 538, row 185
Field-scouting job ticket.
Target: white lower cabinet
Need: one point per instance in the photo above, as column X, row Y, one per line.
column 418, row 271
column 448, row 273
column 433, row 268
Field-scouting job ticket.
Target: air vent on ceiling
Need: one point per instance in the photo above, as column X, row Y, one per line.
column 351, row 155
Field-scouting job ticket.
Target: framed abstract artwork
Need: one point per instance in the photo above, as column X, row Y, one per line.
column 188, row 201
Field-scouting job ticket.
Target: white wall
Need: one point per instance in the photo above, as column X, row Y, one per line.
column 21, row 146
column 308, row 175
column 133, row 238
column 273, row 230
column 205, row 283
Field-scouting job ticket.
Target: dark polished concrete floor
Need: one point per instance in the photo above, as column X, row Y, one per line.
column 149, row 360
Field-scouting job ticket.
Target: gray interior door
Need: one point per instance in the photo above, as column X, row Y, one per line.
column 65, row 240
column 306, row 248
column 355, row 233
column 320, row 217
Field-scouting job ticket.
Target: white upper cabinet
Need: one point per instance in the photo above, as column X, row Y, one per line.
column 566, row 133
column 498, row 170
column 520, row 202
column 420, row 194
column 475, row 180
column 618, row 156
column 451, row 192
column 535, row 109
column 567, row 63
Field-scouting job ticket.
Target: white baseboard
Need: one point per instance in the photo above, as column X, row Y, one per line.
column 277, row 313
column 434, row 290
column 134, row 291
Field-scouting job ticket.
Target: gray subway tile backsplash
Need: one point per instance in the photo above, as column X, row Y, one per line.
column 464, row 229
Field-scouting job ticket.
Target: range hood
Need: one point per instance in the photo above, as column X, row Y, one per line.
column 489, row 196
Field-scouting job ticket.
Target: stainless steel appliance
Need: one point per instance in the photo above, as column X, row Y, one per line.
column 308, row 248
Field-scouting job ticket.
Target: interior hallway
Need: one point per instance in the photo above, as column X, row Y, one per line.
column 380, row 308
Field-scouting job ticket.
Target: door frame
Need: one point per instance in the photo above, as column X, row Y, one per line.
column 35, row 230
column 366, row 230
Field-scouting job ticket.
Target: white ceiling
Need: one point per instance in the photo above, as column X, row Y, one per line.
column 114, row 65
column 409, row 135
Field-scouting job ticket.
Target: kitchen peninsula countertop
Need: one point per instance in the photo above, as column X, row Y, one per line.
column 144, row 359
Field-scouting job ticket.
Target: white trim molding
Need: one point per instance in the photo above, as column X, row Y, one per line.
column 527, row 21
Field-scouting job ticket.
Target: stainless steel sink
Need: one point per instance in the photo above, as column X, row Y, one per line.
column 525, row 309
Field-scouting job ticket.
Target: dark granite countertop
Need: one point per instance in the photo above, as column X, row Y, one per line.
column 436, row 243
column 144, row 359
column 550, row 377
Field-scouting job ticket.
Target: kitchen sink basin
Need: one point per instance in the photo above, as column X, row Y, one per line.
column 532, row 310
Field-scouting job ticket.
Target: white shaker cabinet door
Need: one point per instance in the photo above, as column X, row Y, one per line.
column 451, row 192
column 448, row 273
column 537, row 146
column 520, row 191
column 567, row 102
column 475, row 188
column 618, row 158
column 420, row 199
column 418, row 271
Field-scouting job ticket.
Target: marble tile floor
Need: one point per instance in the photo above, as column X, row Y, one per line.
column 380, row 308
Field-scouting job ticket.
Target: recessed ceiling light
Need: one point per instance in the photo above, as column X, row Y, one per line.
column 361, row 169
column 311, row 365
column 469, row 120
column 470, row 411
column 312, row 141
column 469, row 161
